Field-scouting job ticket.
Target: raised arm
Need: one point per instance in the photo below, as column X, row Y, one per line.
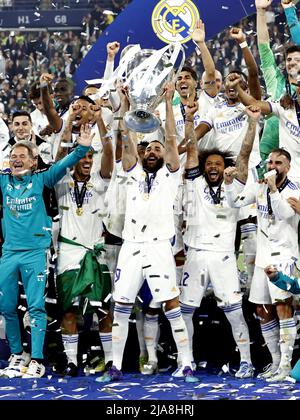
column 233, row 82
column 58, row 170
column 54, row 119
column 262, row 27
column 192, row 159
column 198, row 36
column 129, row 150
column 112, row 49
column 172, row 156
column 242, row 161
column 107, row 158
column 253, row 80
column 272, row 74
column 66, row 137
column 292, row 20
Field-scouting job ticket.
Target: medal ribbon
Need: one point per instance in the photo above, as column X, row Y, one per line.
column 149, row 182
column 79, row 196
column 270, row 211
column 216, row 196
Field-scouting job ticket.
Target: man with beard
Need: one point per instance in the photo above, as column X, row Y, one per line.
column 228, row 124
column 82, row 193
column 277, row 83
column 277, row 243
column 210, row 234
column 146, row 252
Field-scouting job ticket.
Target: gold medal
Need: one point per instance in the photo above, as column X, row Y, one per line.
column 146, row 196
column 79, row 211
column 89, row 186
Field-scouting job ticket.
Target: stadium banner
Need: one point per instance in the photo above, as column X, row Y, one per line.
column 18, row 19
column 153, row 23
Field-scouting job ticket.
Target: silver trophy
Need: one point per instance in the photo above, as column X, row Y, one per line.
column 146, row 74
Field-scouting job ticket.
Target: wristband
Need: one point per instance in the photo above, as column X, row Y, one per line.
column 192, row 173
column 243, row 44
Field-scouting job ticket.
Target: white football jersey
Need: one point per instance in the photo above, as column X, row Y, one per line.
column 277, row 233
column 289, row 136
column 85, row 229
column 210, row 226
column 229, row 124
column 149, row 216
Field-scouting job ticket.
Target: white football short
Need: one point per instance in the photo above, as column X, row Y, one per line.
column 203, row 266
column 151, row 261
column 263, row 291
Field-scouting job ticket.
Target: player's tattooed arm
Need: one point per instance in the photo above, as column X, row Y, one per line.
column 242, row 162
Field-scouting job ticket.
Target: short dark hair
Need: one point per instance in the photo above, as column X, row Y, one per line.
column 21, row 114
column 155, row 141
column 143, row 143
column 283, row 152
column 226, row 156
column 84, row 98
column 292, row 49
column 241, row 73
column 190, row 70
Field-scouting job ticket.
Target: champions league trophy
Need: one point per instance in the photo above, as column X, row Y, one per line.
column 146, row 74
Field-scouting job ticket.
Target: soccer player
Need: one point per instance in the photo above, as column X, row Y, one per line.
column 26, row 229
column 210, row 234
column 146, row 252
column 277, row 243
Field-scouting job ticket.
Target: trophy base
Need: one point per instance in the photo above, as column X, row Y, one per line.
column 141, row 121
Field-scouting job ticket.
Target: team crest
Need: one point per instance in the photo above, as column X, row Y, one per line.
column 174, row 20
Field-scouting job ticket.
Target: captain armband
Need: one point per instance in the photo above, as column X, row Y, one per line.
column 192, row 173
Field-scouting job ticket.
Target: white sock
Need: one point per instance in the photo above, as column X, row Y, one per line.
column 297, row 320
column 106, row 341
column 70, row 342
column 287, row 340
column 239, row 327
column 248, row 236
column 270, row 332
column 120, row 332
column 180, row 335
column 151, row 334
column 187, row 314
column 140, row 331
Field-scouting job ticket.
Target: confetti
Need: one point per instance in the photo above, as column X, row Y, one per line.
column 136, row 253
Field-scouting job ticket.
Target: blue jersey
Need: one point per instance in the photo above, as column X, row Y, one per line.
column 25, row 223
